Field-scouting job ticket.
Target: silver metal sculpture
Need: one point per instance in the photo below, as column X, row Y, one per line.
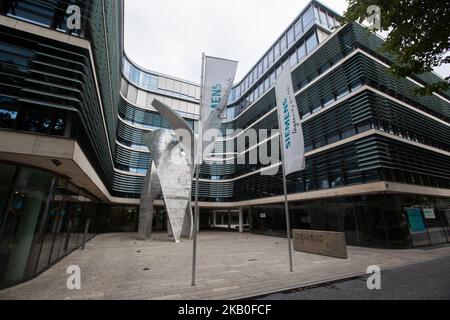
column 170, row 172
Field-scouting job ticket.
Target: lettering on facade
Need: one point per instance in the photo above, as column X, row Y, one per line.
column 310, row 237
column 324, row 243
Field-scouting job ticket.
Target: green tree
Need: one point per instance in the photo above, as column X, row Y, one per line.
column 419, row 35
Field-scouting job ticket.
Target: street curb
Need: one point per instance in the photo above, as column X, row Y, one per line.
column 330, row 281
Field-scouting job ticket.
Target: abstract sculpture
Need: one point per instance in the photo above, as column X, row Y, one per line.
column 170, row 172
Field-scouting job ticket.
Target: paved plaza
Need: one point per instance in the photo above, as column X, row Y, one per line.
column 230, row 266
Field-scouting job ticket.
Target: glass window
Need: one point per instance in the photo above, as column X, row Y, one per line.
column 301, row 52
column 230, row 113
column 278, row 71
column 135, row 74
column 144, row 80
column 293, row 59
column 283, row 44
column 261, row 89
column 238, row 92
column 342, row 92
column 323, row 17
column 126, row 68
column 153, row 83
column 255, row 75
column 311, row 43
column 24, row 211
column 331, row 21
column 273, row 77
column 316, row 13
column 308, row 18
column 298, row 29
column 277, row 50
column 8, row 117
column 290, row 36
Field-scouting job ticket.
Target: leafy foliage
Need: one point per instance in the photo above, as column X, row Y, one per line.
column 419, row 35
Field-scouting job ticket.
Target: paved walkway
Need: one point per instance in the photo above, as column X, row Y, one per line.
column 421, row 281
column 230, row 266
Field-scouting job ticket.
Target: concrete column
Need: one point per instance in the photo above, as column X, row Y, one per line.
column 241, row 220
column 214, row 218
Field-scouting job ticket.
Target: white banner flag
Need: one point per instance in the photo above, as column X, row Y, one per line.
column 290, row 125
column 218, row 81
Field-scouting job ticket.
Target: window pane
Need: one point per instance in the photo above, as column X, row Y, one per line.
column 290, row 36
column 311, row 43
column 293, row 59
column 301, row 52
column 298, row 28
column 308, row 18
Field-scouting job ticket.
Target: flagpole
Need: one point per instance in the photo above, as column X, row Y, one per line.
column 197, row 176
column 286, row 206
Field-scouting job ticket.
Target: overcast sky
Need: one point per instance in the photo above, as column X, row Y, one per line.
column 169, row 36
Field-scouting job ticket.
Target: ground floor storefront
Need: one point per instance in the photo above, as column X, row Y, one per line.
column 381, row 220
column 44, row 217
column 392, row 221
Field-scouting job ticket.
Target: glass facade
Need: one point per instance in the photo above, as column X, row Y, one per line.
column 361, row 126
column 42, row 219
column 371, row 221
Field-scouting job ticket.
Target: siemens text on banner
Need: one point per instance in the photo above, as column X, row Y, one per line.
column 290, row 124
column 218, row 81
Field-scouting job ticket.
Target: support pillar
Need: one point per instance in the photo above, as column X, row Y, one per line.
column 214, row 218
column 229, row 219
column 241, row 219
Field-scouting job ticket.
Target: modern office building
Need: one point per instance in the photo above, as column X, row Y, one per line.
column 74, row 108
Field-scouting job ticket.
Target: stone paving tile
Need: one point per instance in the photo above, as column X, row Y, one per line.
column 230, row 265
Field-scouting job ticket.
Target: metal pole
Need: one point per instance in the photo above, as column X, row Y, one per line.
column 286, row 206
column 197, row 176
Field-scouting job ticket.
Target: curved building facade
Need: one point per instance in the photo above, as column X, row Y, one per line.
column 74, row 108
